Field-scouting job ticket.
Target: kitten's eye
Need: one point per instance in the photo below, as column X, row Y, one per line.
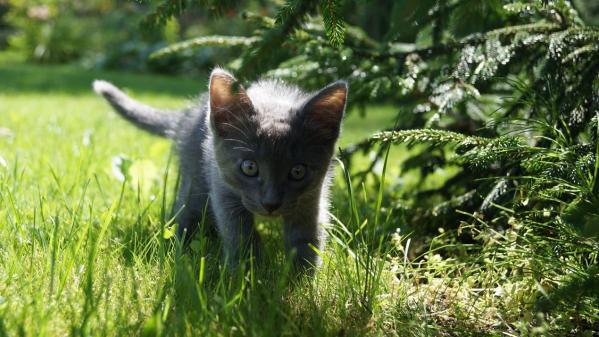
column 249, row 168
column 297, row 172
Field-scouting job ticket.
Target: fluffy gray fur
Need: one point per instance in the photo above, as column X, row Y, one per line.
column 276, row 126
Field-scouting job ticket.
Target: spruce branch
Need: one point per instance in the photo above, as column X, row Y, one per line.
column 214, row 40
column 163, row 12
column 258, row 20
column 333, row 21
column 473, row 39
column 289, row 18
column 430, row 136
column 171, row 8
column 450, row 206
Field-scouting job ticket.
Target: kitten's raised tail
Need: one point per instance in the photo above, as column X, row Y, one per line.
column 162, row 123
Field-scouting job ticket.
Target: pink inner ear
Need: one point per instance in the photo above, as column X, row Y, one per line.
column 221, row 95
column 329, row 108
column 229, row 103
column 324, row 114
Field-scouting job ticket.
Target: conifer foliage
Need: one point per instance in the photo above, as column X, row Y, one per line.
column 504, row 92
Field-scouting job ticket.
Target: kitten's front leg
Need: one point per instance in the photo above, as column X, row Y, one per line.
column 303, row 230
column 189, row 206
column 235, row 226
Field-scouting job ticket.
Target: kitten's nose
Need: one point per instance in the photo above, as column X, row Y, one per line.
column 271, row 206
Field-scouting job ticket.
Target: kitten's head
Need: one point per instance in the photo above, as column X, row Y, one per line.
column 274, row 143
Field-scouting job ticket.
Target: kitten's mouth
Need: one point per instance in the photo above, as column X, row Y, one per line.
column 261, row 211
column 274, row 214
column 265, row 213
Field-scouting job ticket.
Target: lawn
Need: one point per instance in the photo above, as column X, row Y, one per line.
column 85, row 246
column 82, row 250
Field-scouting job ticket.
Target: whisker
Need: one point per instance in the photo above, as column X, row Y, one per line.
column 236, row 140
column 241, row 148
column 241, row 118
column 235, row 128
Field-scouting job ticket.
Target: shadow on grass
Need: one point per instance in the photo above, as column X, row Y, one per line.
column 19, row 77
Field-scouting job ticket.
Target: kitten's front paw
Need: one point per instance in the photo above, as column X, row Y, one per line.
column 245, row 256
column 305, row 258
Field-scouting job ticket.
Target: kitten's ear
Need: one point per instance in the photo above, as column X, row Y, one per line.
column 324, row 111
column 229, row 103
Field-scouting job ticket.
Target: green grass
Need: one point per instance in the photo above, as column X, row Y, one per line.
column 83, row 253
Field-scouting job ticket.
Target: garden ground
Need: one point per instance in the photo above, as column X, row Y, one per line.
column 86, row 247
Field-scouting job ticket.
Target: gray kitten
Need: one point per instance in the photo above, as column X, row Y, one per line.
column 263, row 151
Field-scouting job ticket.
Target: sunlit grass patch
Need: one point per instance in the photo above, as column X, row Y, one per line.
column 85, row 247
